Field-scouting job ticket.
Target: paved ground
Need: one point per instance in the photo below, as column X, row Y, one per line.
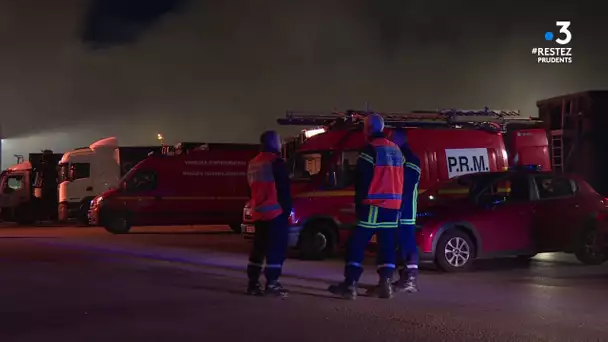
column 185, row 284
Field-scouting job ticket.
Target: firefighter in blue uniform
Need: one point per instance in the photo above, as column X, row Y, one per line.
column 408, row 251
column 378, row 188
column 270, row 209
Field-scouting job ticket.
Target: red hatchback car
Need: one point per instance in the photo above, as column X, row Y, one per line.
column 512, row 213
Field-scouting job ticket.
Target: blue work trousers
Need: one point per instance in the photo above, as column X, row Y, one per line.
column 270, row 246
column 355, row 253
column 408, row 251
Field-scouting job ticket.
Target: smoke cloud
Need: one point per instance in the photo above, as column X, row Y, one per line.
column 223, row 71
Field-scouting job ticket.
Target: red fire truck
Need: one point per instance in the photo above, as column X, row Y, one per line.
column 449, row 143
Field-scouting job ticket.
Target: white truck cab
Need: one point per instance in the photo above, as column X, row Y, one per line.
column 16, row 193
column 85, row 173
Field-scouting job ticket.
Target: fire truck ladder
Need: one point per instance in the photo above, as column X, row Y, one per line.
column 486, row 118
column 557, row 142
column 565, row 129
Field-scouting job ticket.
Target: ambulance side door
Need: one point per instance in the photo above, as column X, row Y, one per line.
column 143, row 201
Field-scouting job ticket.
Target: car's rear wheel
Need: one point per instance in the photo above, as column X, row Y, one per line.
column 589, row 251
column 455, row 251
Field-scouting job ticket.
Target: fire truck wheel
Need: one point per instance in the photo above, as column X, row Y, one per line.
column 117, row 224
column 589, row 251
column 317, row 240
column 455, row 251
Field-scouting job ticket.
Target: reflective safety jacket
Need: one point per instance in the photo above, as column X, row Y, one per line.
column 379, row 184
column 265, row 204
column 410, row 187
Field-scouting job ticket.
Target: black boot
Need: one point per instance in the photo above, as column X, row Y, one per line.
column 346, row 290
column 408, row 281
column 255, row 289
column 276, row 289
column 385, row 288
column 411, row 284
column 399, row 285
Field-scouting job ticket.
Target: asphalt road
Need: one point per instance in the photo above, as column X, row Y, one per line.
column 186, row 284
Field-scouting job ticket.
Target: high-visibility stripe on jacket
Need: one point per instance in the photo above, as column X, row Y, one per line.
column 264, row 200
column 409, row 206
column 379, row 218
column 387, row 183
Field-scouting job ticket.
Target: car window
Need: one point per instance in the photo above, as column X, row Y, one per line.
column 453, row 189
column 507, row 189
column 551, row 187
column 143, row 180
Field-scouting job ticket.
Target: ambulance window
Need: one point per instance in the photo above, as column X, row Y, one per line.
column 13, row 183
column 143, row 180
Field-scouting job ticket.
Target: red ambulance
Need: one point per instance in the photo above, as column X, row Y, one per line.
column 197, row 186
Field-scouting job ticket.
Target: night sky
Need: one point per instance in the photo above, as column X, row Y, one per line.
column 223, row 71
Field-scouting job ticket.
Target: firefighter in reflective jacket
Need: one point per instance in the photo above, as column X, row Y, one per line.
column 408, row 251
column 378, row 189
column 270, row 209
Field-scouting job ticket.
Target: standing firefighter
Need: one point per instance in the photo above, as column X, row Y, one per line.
column 270, row 209
column 378, row 189
column 408, row 251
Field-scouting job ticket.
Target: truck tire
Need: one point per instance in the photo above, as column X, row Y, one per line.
column 587, row 250
column 117, row 224
column 24, row 215
column 83, row 212
column 455, row 251
column 317, row 240
column 63, row 212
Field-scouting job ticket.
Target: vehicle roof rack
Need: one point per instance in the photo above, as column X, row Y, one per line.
column 492, row 119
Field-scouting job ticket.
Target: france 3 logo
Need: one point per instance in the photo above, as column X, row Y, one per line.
column 556, row 55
